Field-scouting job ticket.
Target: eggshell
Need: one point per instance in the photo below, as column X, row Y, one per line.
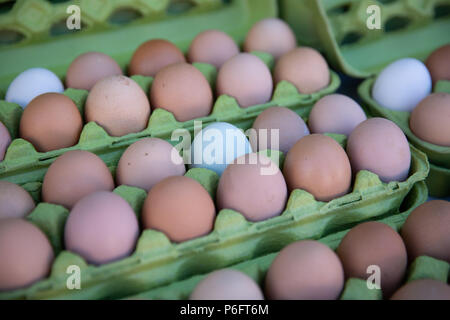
column 374, row 244
column 217, row 145
column 5, row 140
column 179, row 207
column 148, row 161
column 154, row 55
column 227, row 284
column 183, row 90
column 305, row 68
column 246, row 78
column 402, row 84
column 430, row 120
column 271, row 35
column 74, row 175
column 305, row 270
column 51, row 121
column 423, row 289
column 335, row 113
column 380, row 146
column 119, row 105
column 102, row 227
column 254, row 186
column 438, row 64
column 15, row 201
column 319, row 165
column 213, row 47
column 426, row 231
column 32, row 83
column 90, row 67
column 26, row 255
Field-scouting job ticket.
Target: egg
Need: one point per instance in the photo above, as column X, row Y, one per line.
column 426, row 231
column 148, row 161
column 438, row 64
column 154, row 55
column 90, row 67
column 74, row 175
column 5, row 140
column 305, row 270
column 101, row 227
column 227, row 284
column 15, row 201
column 277, row 128
column 32, row 83
column 430, row 120
column 217, row 145
column 402, row 84
column 51, row 121
column 335, row 113
column 213, row 47
column 183, row 90
column 305, row 68
column 423, row 289
column 271, row 35
column 119, row 105
column 26, row 255
column 254, row 186
column 319, row 165
column 380, row 146
column 180, row 208
column 374, row 244
column 246, row 78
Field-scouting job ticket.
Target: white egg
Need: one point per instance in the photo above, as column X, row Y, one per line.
column 402, row 85
column 31, row 83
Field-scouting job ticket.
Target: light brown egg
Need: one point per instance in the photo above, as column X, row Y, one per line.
column 119, row 105
column 430, row 120
column 152, row 56
column 305, row 68
column 180, row 208
column 51, row 121
column 380, row 146
column 26, row 255
column 319, row 165
column 74, row 175
column 423, row 289
column 5, row 140
column 213, row 47
column 246, row 78
column 305, row 270
column 438, row 64
column 15, row 201
column 183, row 90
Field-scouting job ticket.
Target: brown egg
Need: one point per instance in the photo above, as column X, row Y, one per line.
column 213, row 47
column 119, row 105
column 179, row 207
column 430, row 120
column 374, row 243
column 423, row 289
column 319, row 165
column 254, row 186
column 183, row 90
column 380, row 146
column 90, row 67
column 74, row 175
column 290, row 126
column 102, row 227
column 271, row 35
column 152, row 56
column 148, row 161
column 15, row 201
column 51, row 121
column 335, row 113
column 438, row 64
column 305, row 270
column 5, row 140
column 426, row 231
column 26, row 255
column 305, row 68
column 227, row 284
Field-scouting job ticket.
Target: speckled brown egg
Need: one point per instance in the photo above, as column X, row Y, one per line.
column 5, row 140
column 15, row 201
column 423, row 289
column 438, row 64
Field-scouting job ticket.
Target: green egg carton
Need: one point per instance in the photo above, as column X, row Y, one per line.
column 408, row 28
column 438, row 180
